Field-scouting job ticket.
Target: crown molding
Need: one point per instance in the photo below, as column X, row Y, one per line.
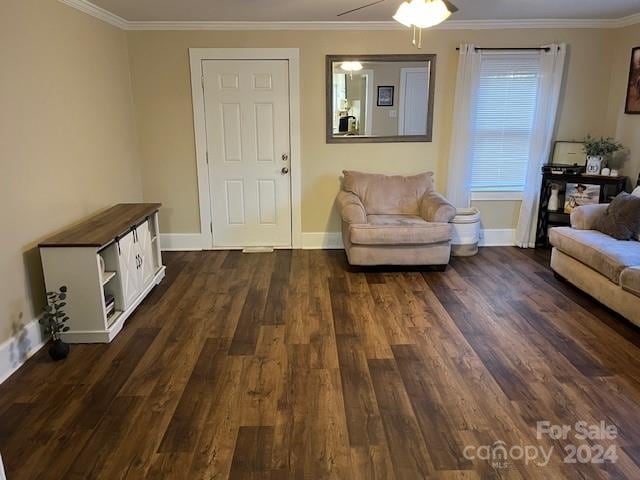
column 226, row 26
column 97, row 12
column 102, row 14
column 628, row 20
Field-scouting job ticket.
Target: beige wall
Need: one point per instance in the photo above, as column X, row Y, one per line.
column 160, row 70
column 67, row 141
column 625, row 127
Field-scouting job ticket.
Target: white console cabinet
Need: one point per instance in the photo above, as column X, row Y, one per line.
column 115, row 253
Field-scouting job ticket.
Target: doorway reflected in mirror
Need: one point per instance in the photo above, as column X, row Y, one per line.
column 380, row 98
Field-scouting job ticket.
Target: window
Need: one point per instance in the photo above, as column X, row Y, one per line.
column 505, row 109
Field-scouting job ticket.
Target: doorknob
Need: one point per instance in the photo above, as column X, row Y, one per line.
column 284, row 170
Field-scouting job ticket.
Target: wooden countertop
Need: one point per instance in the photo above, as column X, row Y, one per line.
column 102, row 228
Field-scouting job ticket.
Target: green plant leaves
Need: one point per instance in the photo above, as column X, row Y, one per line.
column 54, row 317
column 601, row 147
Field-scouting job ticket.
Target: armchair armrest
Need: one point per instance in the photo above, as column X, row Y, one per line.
column 586, row 216
column 436, row 208
column 351, row 208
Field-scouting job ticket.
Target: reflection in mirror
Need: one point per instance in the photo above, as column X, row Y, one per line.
column 380, row 98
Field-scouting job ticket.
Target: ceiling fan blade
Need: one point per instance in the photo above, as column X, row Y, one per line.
column 450, row 6
column 360, row 8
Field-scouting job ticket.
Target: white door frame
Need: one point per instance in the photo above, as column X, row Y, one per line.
column 368, row 127
column 197, row 56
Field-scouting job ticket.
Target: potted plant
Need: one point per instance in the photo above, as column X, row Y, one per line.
column 598, row 150
column 54, row 320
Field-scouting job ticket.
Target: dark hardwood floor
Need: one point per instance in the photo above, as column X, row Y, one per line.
column 293, row 365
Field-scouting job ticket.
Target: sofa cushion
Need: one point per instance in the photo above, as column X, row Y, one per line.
column 636, row 192
column 388, row 195
column 604, row 254
column 630, row 280
column 396, row 233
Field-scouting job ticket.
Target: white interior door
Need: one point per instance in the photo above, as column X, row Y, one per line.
column 247, row 123
column 414, row 94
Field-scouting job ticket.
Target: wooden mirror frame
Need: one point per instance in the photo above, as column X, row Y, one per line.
column 331, row 59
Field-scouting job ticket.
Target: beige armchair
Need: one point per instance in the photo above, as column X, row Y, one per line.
column 394, row 220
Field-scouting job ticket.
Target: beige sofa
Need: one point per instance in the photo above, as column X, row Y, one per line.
column 605, row 268
column 394, row 220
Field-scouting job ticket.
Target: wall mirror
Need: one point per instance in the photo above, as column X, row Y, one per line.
column 380, row 98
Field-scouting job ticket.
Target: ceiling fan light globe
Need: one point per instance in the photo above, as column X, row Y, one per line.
column 422, row 13
column 404, row 15
column 429, row 13
column 351, row 66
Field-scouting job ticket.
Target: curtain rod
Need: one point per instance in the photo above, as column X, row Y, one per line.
column 546, row 49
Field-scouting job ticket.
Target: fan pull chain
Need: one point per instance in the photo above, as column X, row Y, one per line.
column 414, row 36
column 420, row 39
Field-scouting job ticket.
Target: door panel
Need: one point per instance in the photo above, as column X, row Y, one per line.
column 127, row 269
column 267, row 202
column 247, row 120
column 265, row 132
column 147, row 265
column 231, row 128
column 414, row 95
column 235, row 202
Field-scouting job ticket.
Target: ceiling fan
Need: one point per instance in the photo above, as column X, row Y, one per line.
column 416, row 14
column 450, row 6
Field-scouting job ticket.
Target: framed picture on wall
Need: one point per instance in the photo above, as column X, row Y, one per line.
column 385, row 96
column 632, row 105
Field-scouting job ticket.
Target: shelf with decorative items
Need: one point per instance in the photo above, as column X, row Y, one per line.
column 577, row 175
column 110, row 263
column 565, row 191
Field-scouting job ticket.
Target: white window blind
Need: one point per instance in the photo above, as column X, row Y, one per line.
column 504, row 115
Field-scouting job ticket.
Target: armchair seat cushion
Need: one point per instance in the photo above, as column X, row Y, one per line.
column 601, row 252
column 395, row 220
column 399, row 230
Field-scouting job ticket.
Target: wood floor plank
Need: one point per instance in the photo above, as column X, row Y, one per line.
column 294, row 365
column 252, row 455
column 409, row 454
column 363, row 417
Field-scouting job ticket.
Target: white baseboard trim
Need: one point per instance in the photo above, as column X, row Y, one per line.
column 322, row 240
column 19, row 348
column 498, row 237
column 176, row 242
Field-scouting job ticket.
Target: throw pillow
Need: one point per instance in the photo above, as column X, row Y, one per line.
column 636, row 193
column 622, row 218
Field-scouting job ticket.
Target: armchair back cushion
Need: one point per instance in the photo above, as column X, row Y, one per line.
column 388, row 195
